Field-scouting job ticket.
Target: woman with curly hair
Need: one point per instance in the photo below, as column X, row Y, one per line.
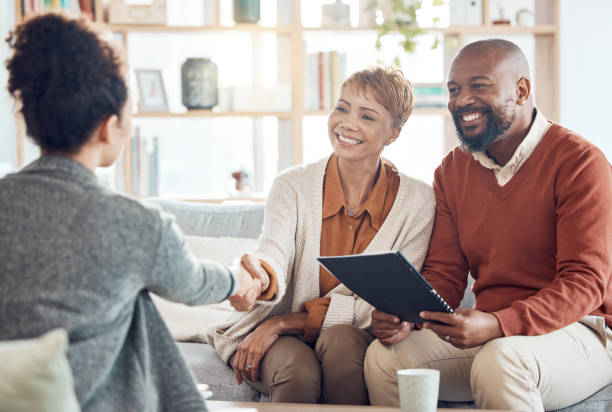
column 77, row 256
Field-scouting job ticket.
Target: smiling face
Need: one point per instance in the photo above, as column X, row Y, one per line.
column 360, row 127
column 482, row 98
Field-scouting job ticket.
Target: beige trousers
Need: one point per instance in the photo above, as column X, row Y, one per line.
column 332, row 372
column 523, row 373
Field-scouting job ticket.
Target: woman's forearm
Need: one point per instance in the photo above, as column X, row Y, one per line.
column 290, row 324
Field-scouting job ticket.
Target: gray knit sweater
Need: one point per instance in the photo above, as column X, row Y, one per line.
column 77, row 256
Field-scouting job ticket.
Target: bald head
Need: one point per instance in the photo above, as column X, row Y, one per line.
column 503, row 53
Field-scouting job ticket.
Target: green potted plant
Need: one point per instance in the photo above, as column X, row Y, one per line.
column 400, row 17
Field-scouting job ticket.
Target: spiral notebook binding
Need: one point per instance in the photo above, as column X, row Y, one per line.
column 424, row 282
column 442, row 301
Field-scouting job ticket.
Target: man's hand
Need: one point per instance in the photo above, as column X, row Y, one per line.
column 388, row 328
column 253, row 280
column 465, row 329
column 253, row 348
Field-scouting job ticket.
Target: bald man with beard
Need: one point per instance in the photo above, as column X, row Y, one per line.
column 524, row 206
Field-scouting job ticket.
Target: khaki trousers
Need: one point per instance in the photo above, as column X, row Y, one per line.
column 332, row 372
column 523, row 373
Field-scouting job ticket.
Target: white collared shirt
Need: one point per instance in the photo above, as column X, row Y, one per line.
column 503, row 174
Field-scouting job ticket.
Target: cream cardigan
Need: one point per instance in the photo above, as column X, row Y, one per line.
column 290, row 243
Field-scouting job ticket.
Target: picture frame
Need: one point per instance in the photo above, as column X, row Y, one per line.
column 151, row 90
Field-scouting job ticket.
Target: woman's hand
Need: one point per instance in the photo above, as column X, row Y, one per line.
column 253, row 348
column 253, row 280
column 253, row 265
column 388, row 328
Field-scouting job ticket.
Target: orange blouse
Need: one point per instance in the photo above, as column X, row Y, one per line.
column 342, row 234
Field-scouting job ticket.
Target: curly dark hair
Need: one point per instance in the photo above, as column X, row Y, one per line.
column 67, row 79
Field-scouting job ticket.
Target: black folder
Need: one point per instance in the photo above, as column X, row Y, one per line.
column 387, row 281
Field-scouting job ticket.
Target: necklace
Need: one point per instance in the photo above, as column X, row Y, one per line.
column 351, row 213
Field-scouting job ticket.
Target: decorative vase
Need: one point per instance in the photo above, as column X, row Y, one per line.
column 246, row 11
column 336, row 14
column 199, row 83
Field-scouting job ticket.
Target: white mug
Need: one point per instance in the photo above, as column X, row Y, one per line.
column 418, row 389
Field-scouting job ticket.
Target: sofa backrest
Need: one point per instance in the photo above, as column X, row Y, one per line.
column 232, row 220
column 215, row 219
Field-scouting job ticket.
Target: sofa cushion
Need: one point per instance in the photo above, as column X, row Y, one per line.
column 220, row 249
column 600, row 401
column 208, row 368
column 36, row 376
column 189, row 323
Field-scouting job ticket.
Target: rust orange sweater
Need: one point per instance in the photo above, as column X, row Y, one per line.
column 539, row 248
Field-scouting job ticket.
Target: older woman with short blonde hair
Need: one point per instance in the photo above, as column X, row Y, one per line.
column 306, row 340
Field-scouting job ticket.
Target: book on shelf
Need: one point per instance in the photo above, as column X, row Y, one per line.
column 324, row 81
column 465, row 12
column 429, row 95
column 72, row 7
column 210, row 13
column 324, row 74
column 283, row 13
column 119, row 177
column 87, row 7
column 144, row 165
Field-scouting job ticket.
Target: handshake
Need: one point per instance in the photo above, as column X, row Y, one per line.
column 253, row 281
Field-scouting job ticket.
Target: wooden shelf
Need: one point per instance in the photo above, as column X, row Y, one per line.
column 322, row 112
column 457, row 30
column 424, row 111
column 256, row 198
column 334, row 28
column 166, row 29
column 209, row 113
column 496, row 29
column 436, row 111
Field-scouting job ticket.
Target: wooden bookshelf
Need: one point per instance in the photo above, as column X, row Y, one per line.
column 545, row 32
column 253, row 28
column 463, row 30
column 210, row 113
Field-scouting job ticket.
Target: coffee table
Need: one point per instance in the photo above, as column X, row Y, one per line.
column 218, row 406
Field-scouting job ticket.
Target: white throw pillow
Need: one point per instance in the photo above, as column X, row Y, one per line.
column 220, row 249
column 189, row 323
column 35, row 375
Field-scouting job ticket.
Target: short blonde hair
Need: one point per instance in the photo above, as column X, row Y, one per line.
column 389, row 87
